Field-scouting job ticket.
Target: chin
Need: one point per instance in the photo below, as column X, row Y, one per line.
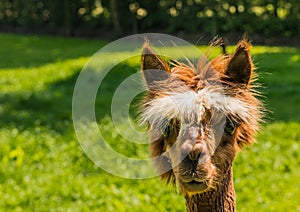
column 195, row 183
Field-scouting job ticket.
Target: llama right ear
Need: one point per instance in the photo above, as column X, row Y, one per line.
column 153, row 67
column 240, row 67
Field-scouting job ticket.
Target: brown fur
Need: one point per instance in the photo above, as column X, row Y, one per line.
column 209, row 165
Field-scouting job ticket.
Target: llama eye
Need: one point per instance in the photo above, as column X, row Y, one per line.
column 229, row 127
column 166, row 132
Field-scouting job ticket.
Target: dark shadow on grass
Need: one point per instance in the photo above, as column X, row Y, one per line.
column 52, row 107
column 32, row 51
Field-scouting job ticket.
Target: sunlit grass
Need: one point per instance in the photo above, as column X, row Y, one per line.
column 42, row 166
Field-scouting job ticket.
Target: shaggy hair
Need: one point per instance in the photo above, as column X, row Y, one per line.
column 198, row 119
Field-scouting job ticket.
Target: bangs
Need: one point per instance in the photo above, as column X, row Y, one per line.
column 191, row 105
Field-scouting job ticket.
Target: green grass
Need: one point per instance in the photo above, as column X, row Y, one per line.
column 43, row 168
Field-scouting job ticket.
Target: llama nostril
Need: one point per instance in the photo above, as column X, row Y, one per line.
column 187, row 146
column 196, row 151
column 193, row 156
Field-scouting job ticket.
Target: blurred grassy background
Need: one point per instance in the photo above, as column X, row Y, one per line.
column 43, row 168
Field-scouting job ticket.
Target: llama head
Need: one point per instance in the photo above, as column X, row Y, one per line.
column 199, row 117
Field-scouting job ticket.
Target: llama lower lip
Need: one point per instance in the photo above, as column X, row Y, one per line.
column 194, row 186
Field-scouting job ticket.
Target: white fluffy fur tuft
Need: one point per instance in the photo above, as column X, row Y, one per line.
column 189, row 106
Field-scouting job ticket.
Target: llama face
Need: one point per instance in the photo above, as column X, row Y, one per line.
column 198, row 118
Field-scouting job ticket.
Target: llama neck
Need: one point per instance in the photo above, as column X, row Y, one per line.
column 221, row 199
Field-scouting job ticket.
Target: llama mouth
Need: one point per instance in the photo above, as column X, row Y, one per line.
column 194, row 182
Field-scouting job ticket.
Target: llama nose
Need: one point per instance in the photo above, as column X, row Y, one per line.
column 193, row 150
column 196, row 151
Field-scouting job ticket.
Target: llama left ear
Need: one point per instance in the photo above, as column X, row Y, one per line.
column 153, row 67
column 240, row 66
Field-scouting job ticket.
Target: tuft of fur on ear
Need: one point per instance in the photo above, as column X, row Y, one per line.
column 240, row 66
column 153, row 67
column 219, row 41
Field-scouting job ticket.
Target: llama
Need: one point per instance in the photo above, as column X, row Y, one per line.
column 199, row 117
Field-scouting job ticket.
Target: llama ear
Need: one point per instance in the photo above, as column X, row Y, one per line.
column 240, row 66
column 153, row 67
